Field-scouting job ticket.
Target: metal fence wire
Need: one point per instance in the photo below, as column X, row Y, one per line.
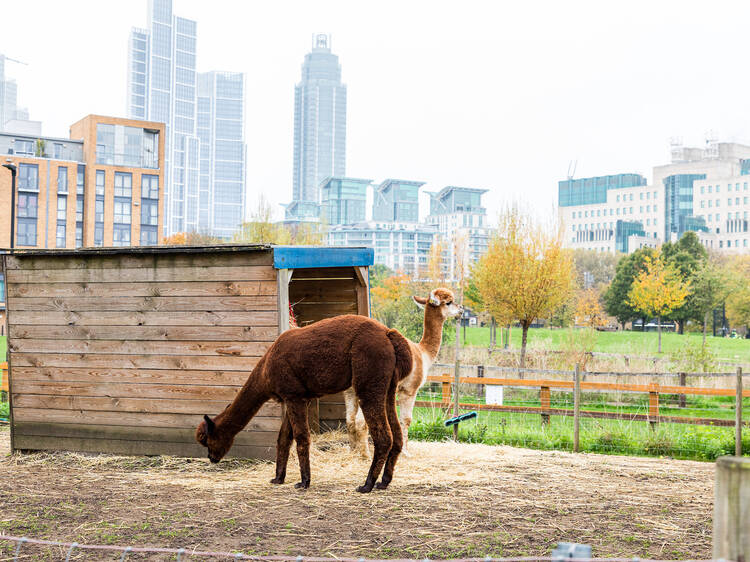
column 680, row 415
column 564, row 552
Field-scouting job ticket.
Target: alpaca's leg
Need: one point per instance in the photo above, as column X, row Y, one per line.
column 283, row 443
column 373, row 407
column 355, row 423
column 297, row 412
column 405, row 409
column 395, row 427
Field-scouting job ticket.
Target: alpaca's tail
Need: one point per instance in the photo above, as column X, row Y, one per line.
column 403, row 354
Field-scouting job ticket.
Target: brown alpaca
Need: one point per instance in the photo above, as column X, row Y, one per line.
column 437, row 308
column 305, row 363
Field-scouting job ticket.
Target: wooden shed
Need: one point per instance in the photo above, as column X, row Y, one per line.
column 122, row 350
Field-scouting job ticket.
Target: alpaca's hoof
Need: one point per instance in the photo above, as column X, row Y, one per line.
column 302, row 485
column 277, row 480
column 364, row 489
column 381, row 485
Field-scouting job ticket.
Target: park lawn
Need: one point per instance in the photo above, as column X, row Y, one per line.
column 628, row 343
column 3, row 348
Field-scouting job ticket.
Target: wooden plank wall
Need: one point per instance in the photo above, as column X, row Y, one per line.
column 124, row 353
column 321, row 293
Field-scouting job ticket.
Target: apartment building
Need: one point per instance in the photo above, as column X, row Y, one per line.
column 100, row 187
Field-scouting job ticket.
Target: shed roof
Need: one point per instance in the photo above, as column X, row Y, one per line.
column 284, row 257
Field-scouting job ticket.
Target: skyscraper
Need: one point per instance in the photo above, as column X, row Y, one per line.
column 222, row 151
column 9, row 109
column 163, row 86
column 319, row 124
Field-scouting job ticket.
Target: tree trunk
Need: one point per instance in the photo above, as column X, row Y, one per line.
column 658, row 329
column 681, row 329
column 524, row 335
column 705, row 327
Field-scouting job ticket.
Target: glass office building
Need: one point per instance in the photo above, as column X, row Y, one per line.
column 319, row 123
column 678, row 203
column 590, row 191
column 163, row 86
column 397, row 200
column 343, row 200
column 221, row 125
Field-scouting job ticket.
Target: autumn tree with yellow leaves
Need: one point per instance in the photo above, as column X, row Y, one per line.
column 525, row 274
column 589, row 310
column 658, row 290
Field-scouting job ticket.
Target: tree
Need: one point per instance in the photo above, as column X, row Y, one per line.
column 687, row 256
column 711, row 286
column 589, row 311
column 658, row 290
column 594, row 269
column 738, row 301
column 616, row 295
column 261, row 229
column 378, row 274
column 192, row 239
column 526, row 273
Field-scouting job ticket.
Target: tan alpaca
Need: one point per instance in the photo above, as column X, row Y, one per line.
column 437, row 308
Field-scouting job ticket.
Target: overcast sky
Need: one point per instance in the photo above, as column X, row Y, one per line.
column 497, row 95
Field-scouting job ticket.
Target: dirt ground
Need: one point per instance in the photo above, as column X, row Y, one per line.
column 446, row 501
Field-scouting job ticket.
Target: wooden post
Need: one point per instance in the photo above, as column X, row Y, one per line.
column 683, row 382
column 544, row 398
column 457, row 376
column 446, row 393
column 576, row 409
column 732, row 509
column 653, row 406
column 738, row 417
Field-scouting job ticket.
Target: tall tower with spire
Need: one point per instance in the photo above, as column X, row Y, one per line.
column 319, row 127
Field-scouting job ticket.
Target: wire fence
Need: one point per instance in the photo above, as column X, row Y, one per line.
column 680, row 415
column 69, row 550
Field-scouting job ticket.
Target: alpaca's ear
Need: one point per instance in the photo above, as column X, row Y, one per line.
column 421, row 302
column 434, row 301
column 210, row 425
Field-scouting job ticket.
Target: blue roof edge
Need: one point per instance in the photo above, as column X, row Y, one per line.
column 299, row 257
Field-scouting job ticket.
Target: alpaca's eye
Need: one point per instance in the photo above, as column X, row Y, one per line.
column 449, row 303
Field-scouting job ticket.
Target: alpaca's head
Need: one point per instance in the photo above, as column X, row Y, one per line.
column 440, row 300
column 209, row 436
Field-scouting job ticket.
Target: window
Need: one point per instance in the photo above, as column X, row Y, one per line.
column 121, row 235
column 99, row 210
column 123, row 184
column 100, row 182
column 80, row 179
column 729, row 201
column 149, row 212
column 27, row 217
column 703, row 189
column 23, row 147
column 149, row 187
column 641, row 196
column 717, row 188
column 57, row 151
column 618, row 198
column 60, row 237
column 710, row 188
column 702, row 204
column 62, row 207
column 710, row 203
column 28, row 177
column 718, row 203
column 62, row 179
column 122, row 211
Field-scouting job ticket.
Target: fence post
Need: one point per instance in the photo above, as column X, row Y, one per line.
column 576, row 408
column 732, row 509
column 738, row 416
column 683, row 382
column 653, row 406
column 480, row 387
column 446, row 393
column 544, row 398
column 457, row 376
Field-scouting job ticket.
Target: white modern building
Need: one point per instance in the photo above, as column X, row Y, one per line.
column 163, row 86
column 624, row 212
column 461, row 220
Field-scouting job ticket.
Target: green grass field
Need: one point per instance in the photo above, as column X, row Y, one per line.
column 629, row 343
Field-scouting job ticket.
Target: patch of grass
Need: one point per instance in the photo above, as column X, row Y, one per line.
column 628, row 343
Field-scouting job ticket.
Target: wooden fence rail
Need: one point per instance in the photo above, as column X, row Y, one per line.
column 4, row 387
column 545, row 410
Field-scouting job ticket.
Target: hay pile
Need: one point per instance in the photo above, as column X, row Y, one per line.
column 446, row 500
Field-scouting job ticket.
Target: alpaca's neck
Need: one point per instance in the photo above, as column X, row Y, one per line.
column 432, row 335
column 251, row 397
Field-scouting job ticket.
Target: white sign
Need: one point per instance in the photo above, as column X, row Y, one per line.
column 493, row 394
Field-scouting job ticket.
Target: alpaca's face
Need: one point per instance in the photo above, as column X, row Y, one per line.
column 441, row 299
column 206, row 435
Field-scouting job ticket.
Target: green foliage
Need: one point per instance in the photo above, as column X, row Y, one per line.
column 594, row 268
column 694, row 359
column 688, row 257
column 564, row 315
column 378, row 273
column 616, row 296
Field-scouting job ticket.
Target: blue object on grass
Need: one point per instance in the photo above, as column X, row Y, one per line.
column 462, row 417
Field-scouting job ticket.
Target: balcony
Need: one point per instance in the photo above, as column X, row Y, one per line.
column 145, row 160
